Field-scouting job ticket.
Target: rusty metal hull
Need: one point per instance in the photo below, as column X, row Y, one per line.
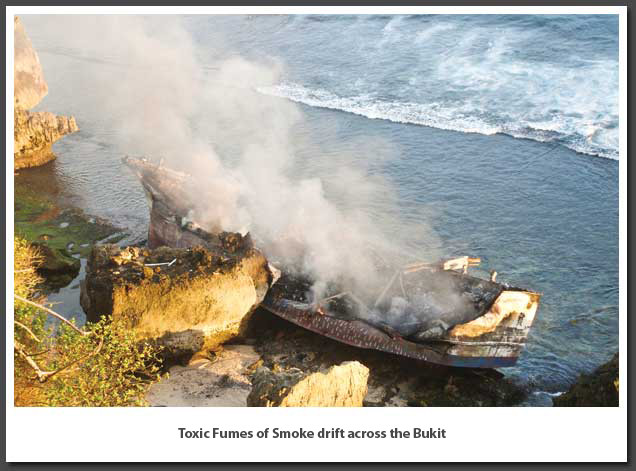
column 493, row 338
column 362, row 335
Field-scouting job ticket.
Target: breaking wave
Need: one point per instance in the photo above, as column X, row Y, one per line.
column 569, row 129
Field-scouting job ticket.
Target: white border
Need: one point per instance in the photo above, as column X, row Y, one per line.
column 490, row 434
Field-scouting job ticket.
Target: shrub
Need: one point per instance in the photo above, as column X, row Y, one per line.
column 58, row 364
column 109, row 367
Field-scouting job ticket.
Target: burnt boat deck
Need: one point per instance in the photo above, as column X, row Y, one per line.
column 490, row 335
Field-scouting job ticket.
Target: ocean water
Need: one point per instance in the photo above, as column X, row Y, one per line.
column 502, row 133
column 480, row 73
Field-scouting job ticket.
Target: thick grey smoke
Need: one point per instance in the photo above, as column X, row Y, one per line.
column 208, row 119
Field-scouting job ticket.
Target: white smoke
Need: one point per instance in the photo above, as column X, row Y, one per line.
column 208, row 119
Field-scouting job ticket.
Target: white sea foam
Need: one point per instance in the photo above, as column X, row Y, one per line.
column 546, row 393
column 432, row 114
column 579, row 134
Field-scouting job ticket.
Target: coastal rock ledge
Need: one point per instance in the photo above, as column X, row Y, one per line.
column 34, row 132
column 184, row 299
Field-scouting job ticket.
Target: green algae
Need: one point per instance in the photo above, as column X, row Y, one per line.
column 68, row 231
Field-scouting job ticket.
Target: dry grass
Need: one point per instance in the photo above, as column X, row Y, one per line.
column 26, row 260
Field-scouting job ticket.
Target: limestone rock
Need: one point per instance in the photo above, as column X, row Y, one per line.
column 222, row 381
column 342, row 385
column 204, row 293
column 29, row 86
column 599, row 389
column 34, row 133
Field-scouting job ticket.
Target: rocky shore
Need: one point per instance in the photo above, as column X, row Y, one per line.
column 186, row 299
column 201, row 305
column 61, row 233
column 35, row 133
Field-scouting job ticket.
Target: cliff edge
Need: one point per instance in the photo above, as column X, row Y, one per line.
column 34, row 132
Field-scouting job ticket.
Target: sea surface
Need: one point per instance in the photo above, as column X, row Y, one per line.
column 502, row 132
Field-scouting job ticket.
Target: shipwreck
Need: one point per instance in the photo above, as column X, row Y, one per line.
column 436, row 312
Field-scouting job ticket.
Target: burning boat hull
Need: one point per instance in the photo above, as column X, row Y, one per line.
column 482, row 348
column 492, row 338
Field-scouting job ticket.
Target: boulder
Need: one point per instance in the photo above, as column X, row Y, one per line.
column 599, row 389
column 34, row 132
column 343, row 385
column 187, row 299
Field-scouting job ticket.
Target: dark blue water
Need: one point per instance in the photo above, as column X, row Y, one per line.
column 501, row 132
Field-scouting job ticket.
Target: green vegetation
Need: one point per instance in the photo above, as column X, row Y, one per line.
column 59, row 364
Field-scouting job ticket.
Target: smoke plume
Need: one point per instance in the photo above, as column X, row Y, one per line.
column 201, row 112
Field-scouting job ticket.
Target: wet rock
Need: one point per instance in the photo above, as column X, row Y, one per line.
column 165, row 292
column 342, row 385
column 599, row 389
column 56, row 261
column 375, row 396
column 34, row 132
column 58, row 267
column 221, row 381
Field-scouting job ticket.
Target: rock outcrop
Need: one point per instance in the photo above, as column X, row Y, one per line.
column 186, row 298
column 342, row 385
column 599, row 389
column 34, row 132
